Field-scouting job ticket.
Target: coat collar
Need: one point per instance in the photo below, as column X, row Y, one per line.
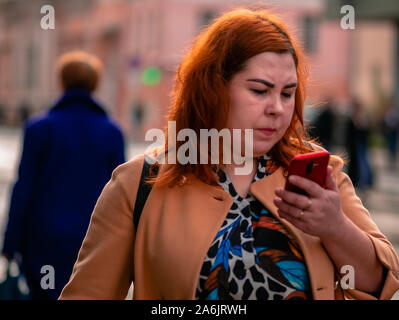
column 77, row 98
column 320, row 266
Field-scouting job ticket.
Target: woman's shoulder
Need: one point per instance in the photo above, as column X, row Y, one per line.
column 336, row 161
column 129, row 172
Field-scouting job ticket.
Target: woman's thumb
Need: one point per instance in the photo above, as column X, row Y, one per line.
column 330, row 181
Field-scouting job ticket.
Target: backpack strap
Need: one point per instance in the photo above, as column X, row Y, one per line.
column 142, row 193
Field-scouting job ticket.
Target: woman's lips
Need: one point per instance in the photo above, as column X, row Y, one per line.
column 267, row 131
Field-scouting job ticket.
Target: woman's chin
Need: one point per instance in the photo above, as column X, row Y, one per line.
column 261, row 150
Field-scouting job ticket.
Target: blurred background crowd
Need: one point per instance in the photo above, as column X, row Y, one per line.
column 352, row 98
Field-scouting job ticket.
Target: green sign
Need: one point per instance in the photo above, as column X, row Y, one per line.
column 151, row 76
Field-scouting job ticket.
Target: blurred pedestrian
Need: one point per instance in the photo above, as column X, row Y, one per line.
column 2, row 112
column 138, row 113
column 137, row 119
column 24, row 111
column 68, row 156
column 322, row 128
column 391, row 126
column 357, row 137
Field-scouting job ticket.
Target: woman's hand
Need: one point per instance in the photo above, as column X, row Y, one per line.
column 318, row 214
column 345, row 243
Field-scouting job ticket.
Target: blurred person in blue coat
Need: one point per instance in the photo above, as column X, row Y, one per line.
column 68, row 156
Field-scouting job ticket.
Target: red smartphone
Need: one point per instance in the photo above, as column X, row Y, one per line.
column 312, row 166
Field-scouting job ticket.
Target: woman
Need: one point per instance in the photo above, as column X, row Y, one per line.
column 49, row 212
column 207, row 232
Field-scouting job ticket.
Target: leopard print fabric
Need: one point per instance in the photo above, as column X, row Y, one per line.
column 252, row 256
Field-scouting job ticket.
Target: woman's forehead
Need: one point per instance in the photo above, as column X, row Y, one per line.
column 271, row 64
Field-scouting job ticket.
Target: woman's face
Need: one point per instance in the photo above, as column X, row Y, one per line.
column 262, row 98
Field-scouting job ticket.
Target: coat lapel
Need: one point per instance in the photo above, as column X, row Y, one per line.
column 320, row 266
column 179, row 227
column 196, row 213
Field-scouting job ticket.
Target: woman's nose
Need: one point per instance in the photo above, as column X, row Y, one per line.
column 274, row 107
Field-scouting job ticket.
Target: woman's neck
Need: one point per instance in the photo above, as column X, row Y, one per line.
column 241, row 182
column 233, row 168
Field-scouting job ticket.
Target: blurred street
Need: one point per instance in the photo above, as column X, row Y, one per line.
column 10, row 153
column 382, row 201
column 133, row 60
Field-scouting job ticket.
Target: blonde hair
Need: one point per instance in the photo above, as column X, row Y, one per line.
column 79, row 70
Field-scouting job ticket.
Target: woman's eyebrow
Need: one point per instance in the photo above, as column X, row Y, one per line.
column 291, row 85
column 271, row 85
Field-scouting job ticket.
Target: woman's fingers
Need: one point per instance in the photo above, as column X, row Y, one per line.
column 330, row 181
column 288, row 208
column 313, row 189
column 295, row 221
column 293, row 198
column 315, row 213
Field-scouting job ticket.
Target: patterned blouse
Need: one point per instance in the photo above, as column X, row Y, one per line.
column 252, row 256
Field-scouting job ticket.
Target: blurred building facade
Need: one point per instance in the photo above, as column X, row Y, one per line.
column 141, row 43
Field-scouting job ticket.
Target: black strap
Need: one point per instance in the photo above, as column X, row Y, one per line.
column 142, row 193
column 306, row 143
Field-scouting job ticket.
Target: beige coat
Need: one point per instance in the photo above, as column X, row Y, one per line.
column 164, row 257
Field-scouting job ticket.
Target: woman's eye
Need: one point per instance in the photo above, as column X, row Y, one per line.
column 258, row 91
column 286, row 95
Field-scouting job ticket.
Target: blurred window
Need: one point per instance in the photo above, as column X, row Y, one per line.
column 206, row 17
column 152, row 30
column 310, row 33
column 137, row 39
column 156, row 23
column 31, row 72
column 158, row 30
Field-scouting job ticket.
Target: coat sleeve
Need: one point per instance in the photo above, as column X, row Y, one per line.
column 32, row 159
column 118, row 147
column 354, row 209
column 104, row 267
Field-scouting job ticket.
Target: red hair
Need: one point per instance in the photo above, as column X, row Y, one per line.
column 200, row 95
